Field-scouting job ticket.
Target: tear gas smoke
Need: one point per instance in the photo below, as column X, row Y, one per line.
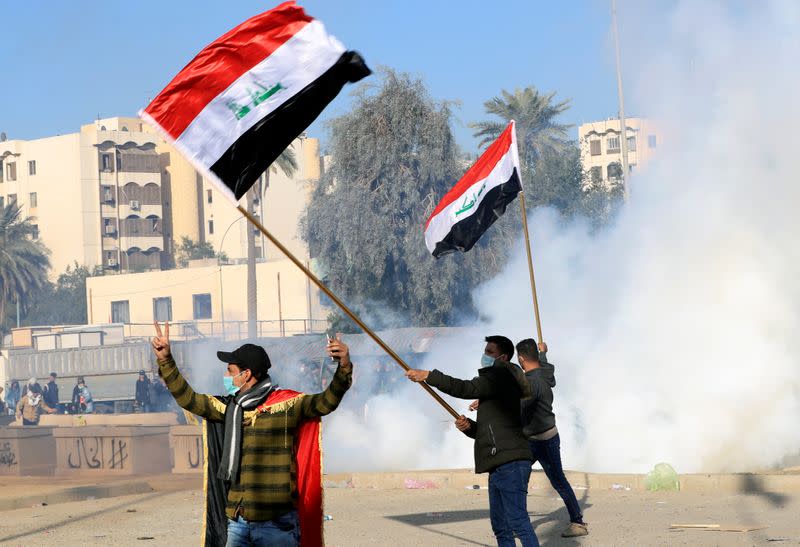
column 673, row 329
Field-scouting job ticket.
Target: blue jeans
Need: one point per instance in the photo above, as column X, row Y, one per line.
column 508, row 504
column 283, row 531
column 548, row 453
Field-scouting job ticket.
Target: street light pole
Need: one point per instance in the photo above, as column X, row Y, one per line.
column 219, row 263
column 622, row 124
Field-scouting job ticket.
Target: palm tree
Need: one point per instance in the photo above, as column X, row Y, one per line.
column 24, row 261
column 535, row 114
column 287, row 163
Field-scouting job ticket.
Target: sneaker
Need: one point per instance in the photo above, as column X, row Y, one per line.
column 575, row 529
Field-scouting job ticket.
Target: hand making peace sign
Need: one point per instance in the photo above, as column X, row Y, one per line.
column 161, row 341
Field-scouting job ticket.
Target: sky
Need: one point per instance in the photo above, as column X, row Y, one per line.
column 66, row 63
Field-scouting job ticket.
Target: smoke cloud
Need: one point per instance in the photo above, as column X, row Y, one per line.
column 673, row 329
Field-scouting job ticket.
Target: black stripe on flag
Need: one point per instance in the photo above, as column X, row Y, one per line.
column 464, row 234
column 252, row 153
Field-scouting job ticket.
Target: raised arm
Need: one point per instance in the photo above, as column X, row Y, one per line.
column 200, row 404
column 477, row 388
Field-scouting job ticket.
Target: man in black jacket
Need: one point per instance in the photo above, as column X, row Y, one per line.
column 51, row 392
column 142, row 396
column 501, row 449
column 539, row 426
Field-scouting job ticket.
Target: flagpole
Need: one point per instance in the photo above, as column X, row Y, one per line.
column 527, row 236
column 530, row 263
column 255, row 222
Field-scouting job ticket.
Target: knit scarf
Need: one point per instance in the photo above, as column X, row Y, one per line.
column 234, row 412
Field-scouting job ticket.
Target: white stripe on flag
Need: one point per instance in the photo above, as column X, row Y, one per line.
column 441, row 224
column 301, row 60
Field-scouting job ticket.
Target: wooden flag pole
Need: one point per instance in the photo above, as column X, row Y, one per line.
column 255, row 222
column 530, row 264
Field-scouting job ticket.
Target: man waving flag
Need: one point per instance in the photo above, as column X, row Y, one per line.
column 243, row 99
column 477, row 200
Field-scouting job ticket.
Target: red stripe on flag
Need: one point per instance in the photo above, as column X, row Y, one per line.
column 221, row 63
column 479, row 170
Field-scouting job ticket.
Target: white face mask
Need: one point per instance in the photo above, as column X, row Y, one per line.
column 486, row 360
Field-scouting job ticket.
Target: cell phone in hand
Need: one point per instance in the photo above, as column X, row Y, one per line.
column 331, row 339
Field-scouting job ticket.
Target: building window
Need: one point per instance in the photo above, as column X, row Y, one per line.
column 612, row 145
column 651, row 141
column 32, row 167
column 34, row 201
column 201, row 306
column 124, row 128
column 210, row 226
column 209, row 196
column 162, row 309
column 11, row 171
column 12, row 199
column 106, row 162
column 1, row 170
column 108, row 194
column 35, row 231
column 596, row 174
column 631, row 144
column 154, row 224
column 2, row 202
column 614, row 170
column 120, row 312
column 594, row 147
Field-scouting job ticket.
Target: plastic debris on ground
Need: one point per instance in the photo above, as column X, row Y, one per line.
column 327, row 517
column 617, row 486
column 663, row 478
column 419, row 485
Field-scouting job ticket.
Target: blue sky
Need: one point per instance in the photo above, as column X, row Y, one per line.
column 65, row 63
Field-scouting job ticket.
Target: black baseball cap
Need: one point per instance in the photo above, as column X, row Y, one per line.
column 248, row 356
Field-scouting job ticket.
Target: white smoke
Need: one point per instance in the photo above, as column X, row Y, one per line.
column 673, row 329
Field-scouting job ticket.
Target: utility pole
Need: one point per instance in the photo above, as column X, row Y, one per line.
column 623, row 128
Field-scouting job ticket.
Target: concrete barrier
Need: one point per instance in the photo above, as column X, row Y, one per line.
column 187, row 448
column 27, row 451
column 112, row 450
column 71, row 420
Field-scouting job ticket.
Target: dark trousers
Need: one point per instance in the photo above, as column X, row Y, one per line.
column 508, row 504
column 25, row 421
column 548, row 453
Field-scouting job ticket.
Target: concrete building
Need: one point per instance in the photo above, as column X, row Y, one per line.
column 94, row 196
column 601, row 153
column 116, row 195
column 208, row 299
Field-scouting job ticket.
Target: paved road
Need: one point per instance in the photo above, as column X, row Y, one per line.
column 364, row 517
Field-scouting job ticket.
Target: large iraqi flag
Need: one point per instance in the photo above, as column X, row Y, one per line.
column 477, row 200
column 245, row 97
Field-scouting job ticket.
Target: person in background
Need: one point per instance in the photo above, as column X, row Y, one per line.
column 2, row 404
column 82, row 400
column 142, row 397
column 12, row 397
column 31, row 406
column 539, row 426
column 51, row 392
column 31, row 382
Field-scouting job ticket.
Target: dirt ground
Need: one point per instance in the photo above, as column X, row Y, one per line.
column 423, row 517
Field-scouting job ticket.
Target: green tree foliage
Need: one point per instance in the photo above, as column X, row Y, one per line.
column 62, row 302
column 393, row 158
column 192, row 250
column 552, row 174
column 24, row 261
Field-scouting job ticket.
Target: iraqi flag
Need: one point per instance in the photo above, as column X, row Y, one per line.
column 477, row 200
column 243, row 99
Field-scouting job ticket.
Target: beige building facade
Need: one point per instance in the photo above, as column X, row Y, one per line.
column 208, row 300
column 601, row 148
column 116, row 195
